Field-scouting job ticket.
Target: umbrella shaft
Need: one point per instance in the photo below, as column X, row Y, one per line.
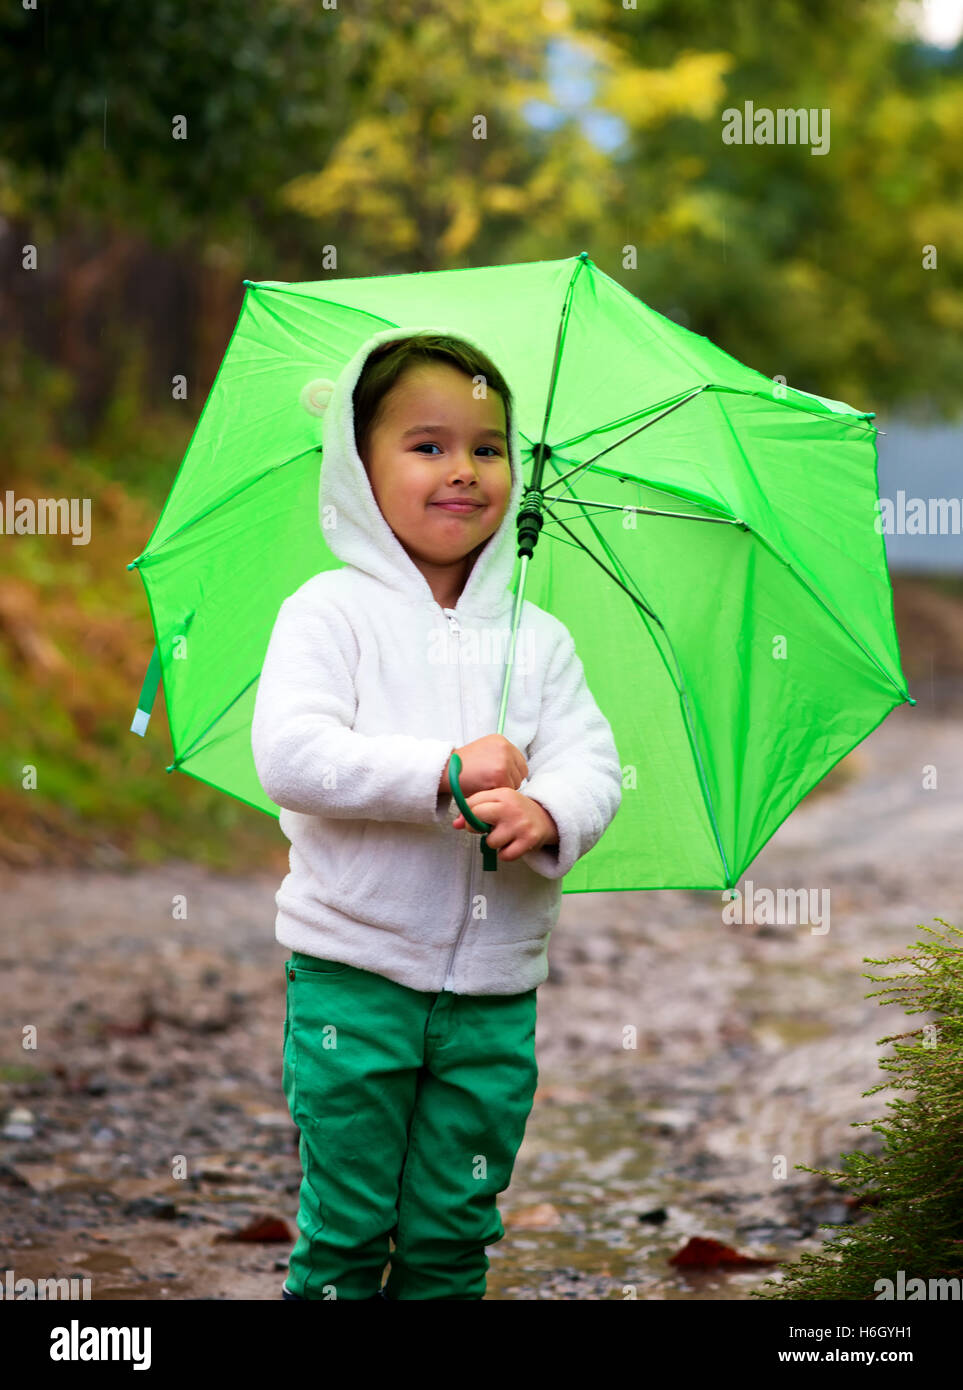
column 516, row 614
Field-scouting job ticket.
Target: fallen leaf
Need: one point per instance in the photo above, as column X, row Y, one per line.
column 532, row 1218
column 700, row 1252
column 55, row 1177
column 263, row 1229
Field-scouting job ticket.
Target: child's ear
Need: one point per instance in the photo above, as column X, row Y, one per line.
column 316, row 395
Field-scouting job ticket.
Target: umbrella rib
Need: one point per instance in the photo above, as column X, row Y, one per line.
column 805, row 582
column 614, row 577
column 180, row 757
column 228, row 497
column 631, row 435
column 622, row 420
column 649, row 511
column 744, row 525
column 557, row 359
column 707, row 386
column 836, row 619
column 601, row 539
column 681, row 687
column 684, row 493
column 312, row 300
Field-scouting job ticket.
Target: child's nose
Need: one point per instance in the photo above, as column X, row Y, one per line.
column 464, row 466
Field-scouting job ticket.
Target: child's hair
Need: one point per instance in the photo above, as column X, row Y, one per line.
column 386, row 364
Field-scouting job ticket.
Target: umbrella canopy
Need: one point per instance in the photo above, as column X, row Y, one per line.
column 708, row 537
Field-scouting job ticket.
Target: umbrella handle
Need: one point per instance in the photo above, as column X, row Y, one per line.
column 489, row 855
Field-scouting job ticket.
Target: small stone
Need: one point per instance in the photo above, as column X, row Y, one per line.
column 155, row 1209
column 18, row 1131
column 831, row 1213
column 657, row 1215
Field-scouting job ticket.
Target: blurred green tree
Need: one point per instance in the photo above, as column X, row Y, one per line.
column 839, row 271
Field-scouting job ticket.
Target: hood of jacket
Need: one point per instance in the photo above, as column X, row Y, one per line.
column 360, row 535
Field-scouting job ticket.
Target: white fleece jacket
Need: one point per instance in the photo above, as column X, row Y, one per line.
column 367, row 687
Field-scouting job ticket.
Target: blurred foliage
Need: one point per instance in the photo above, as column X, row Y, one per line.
column 327, row 141
column 801, row 264
column 74, row 646
column 356, row 129
column 105, row 82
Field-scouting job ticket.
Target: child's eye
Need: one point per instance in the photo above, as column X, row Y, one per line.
column 429, row 445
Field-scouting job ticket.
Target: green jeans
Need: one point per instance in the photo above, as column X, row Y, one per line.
column 411, row 1108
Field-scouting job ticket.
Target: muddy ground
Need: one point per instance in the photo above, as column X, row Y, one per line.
column 158, row 1036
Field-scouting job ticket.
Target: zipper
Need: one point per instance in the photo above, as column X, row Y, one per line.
column 455, row 627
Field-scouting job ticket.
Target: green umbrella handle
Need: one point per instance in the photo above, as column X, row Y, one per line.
column 489, row 855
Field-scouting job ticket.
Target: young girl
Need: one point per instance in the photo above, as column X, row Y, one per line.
column 409, row 1036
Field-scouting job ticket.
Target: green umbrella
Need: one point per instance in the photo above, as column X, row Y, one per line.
column 708, row 536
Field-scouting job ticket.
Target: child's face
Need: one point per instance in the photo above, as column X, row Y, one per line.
column 434, row 441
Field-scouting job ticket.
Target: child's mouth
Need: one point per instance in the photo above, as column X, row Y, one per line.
column 459, row 508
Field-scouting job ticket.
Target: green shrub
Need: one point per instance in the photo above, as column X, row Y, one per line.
column 915, row 1184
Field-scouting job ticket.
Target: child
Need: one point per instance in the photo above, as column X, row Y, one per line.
column 408, row 1062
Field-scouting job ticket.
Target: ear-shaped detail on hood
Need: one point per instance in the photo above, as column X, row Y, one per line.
column 316, row 395
column 352, row 523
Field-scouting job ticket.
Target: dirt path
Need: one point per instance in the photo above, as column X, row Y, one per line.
column 159, row 1036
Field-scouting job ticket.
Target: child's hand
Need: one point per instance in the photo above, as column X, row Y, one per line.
column 487, row 762
column 518, row 822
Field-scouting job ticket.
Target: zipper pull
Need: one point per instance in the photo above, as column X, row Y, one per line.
column 452, row 619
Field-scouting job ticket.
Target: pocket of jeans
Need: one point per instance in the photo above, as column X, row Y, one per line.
column 301, row 965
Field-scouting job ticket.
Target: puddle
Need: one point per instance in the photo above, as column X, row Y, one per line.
column 622, row 1211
